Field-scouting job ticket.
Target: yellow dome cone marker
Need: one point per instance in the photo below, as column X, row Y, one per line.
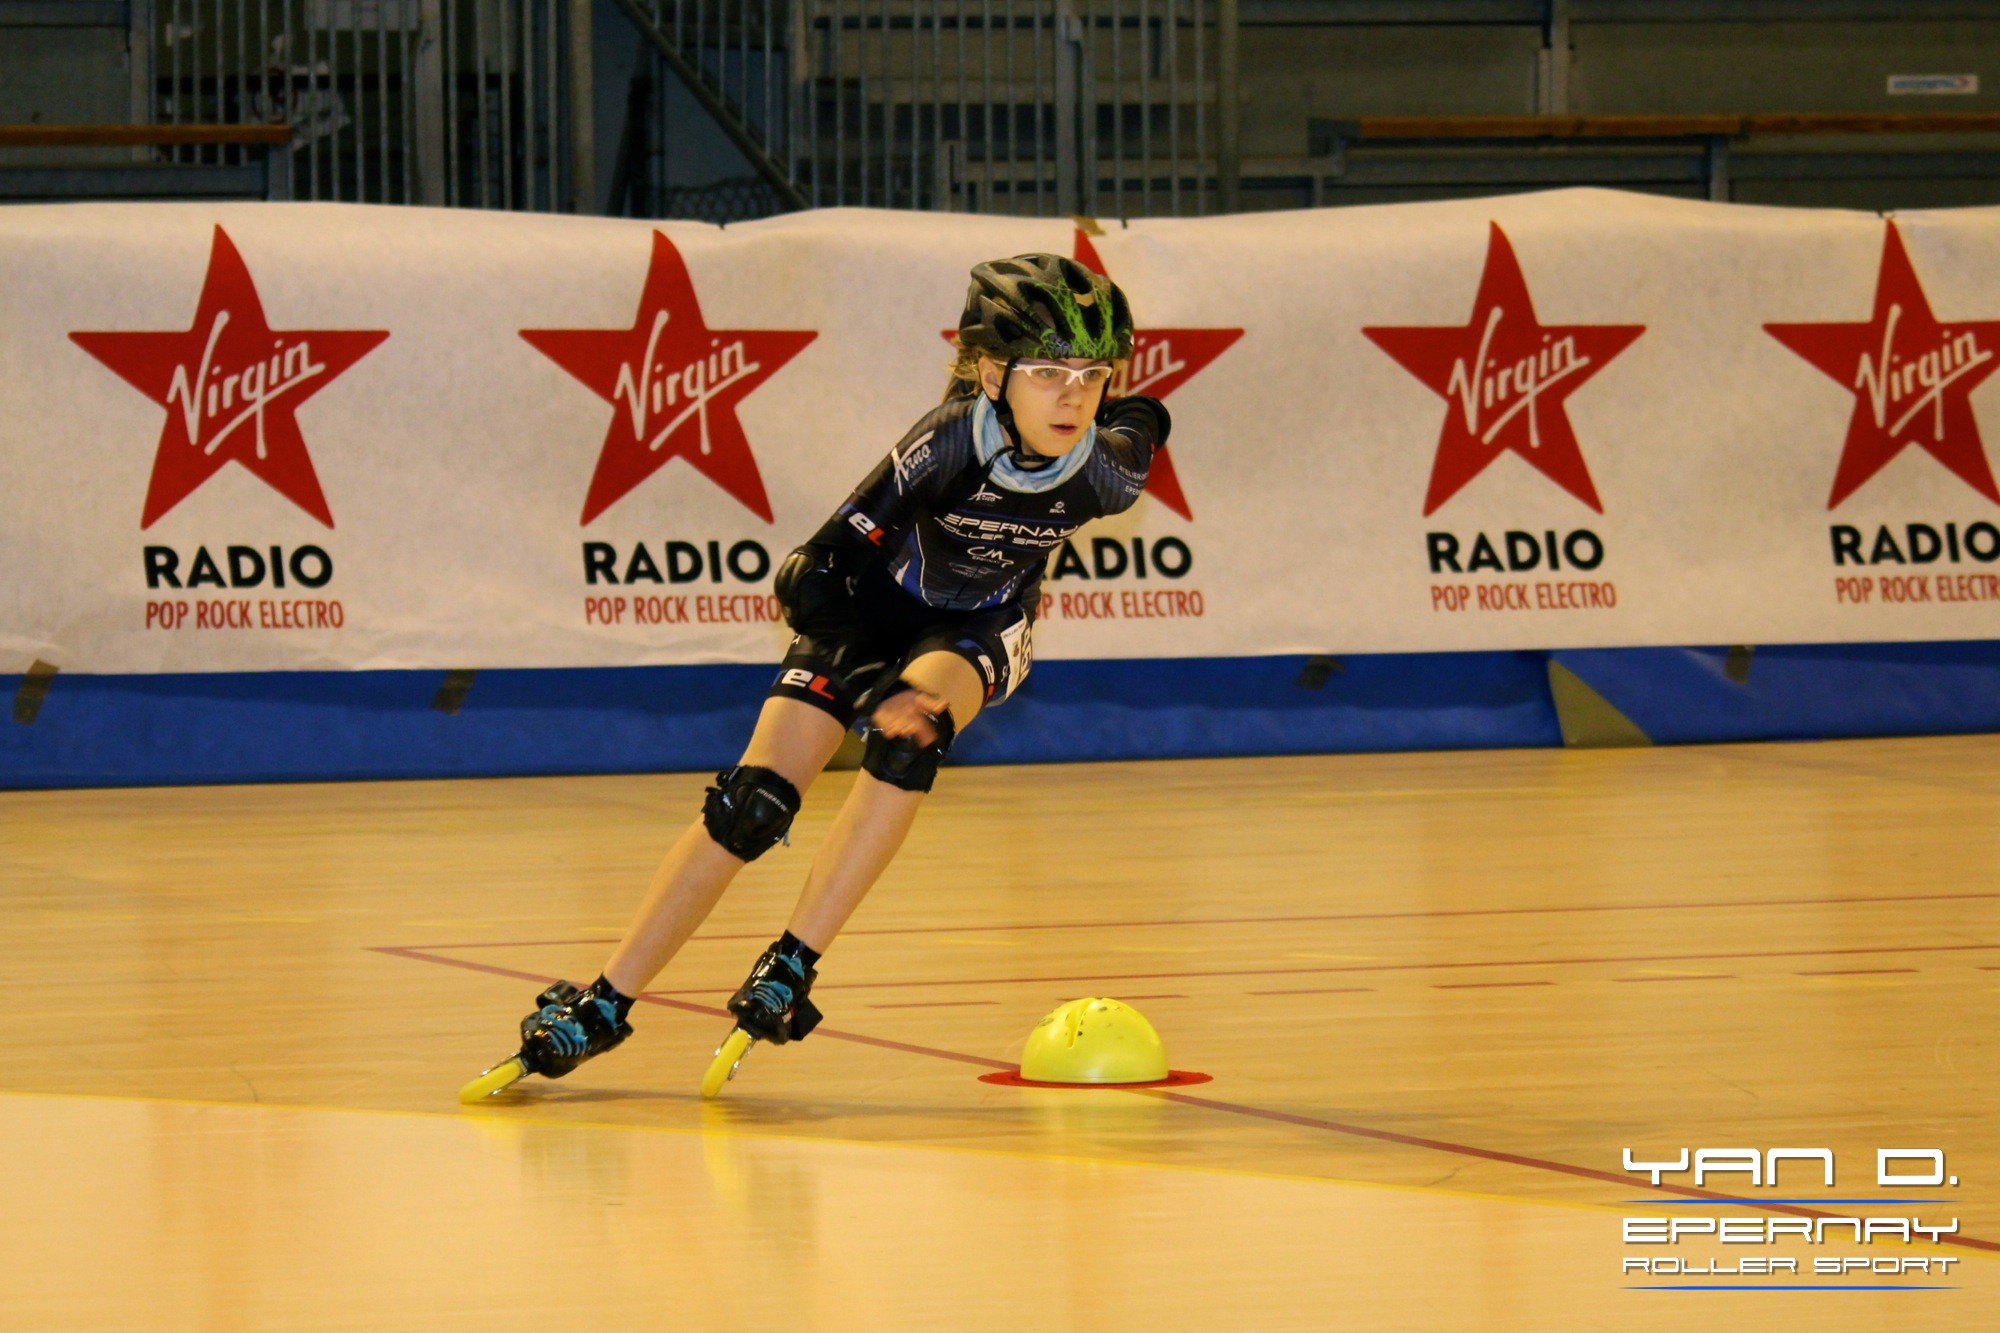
column 1094, row 1042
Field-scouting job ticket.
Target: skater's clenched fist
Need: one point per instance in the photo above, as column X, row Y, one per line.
column 910, row 712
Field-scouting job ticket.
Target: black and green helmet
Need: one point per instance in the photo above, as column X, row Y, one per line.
column 1044, row 306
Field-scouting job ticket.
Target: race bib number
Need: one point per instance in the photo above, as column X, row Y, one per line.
column 1020, row 647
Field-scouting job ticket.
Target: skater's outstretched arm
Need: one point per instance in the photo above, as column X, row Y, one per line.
column 876, row 816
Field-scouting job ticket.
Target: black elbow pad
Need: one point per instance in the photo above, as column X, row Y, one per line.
column 1146, row 417
column 815, row 589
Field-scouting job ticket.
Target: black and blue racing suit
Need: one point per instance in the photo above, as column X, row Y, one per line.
column 947, row 540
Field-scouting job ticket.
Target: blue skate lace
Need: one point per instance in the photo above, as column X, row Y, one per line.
column 774, row 995
column 566, row 1034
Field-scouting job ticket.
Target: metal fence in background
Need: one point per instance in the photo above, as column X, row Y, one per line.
column 1049, row 107
column 733, row 57
column 506, row 101
column 390, row 101
column 1009, row 106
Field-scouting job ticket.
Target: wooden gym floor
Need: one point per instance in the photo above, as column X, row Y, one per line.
column 1438, row 994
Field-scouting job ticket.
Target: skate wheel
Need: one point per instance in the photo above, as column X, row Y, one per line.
column 494, row 1079
column 727, row 1056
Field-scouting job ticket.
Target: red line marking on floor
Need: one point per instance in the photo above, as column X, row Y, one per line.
column 1703, row 976
column 712, row 1011
column 1515, row 1159
column 1484, row 985
column 1099, row 978
column 538, row 978
column 1176, row 1078
column 1318, row 990
column 1579, row 908
column 931, row 1004
column 1235, row 1108
column 1852, row 971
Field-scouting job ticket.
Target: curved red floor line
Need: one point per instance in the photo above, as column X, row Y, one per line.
column 1211, row 1104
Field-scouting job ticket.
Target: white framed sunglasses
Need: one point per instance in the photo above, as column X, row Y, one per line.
column 1047, row 375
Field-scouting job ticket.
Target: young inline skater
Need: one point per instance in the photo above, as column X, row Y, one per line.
column 912, row 609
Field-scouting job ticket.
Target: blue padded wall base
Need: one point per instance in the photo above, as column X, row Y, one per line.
column 313, row 726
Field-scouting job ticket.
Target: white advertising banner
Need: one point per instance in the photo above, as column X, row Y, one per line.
column 295, row 436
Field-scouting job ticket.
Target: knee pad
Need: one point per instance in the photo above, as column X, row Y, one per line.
column 903, row 761
column 749, row 810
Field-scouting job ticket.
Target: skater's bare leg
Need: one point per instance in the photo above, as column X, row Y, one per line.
column 876, row 817
column 793, row 738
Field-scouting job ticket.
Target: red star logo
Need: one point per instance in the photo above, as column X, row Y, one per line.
column 1162, row 361
column 232, row 387
column 674, row 385
column 1505, row 376
column 1912, row 379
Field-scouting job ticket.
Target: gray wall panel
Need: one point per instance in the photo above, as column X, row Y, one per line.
column 1748, row 67
column 1292, row 74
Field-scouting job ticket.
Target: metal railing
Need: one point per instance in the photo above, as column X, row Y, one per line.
column 265, row 175
column 1040, row 107
column 1012, row 106
column 733, row 56
column 506, row 94
column 389, row 101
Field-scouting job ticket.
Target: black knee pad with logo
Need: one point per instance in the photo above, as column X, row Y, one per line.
column 749, row 810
